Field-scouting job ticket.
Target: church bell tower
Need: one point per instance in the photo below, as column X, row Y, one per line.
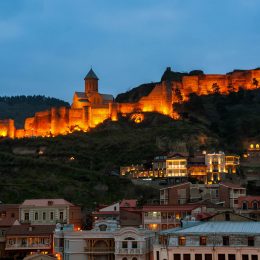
column 91, row 82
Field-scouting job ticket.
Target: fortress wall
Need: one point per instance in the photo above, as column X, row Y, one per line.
column 76, row 118
column 19, row 133
column 42, row 123
column 7, row 128
column 206, row 82
column 98, row 115
column 59, row 120
column 127, row 108
column 190, row 84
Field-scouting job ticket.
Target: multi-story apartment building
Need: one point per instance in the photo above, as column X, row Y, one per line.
column 231, row 163
column 50, row 212
column 106, row 241
column 229, row 194
column 249, row 206
column 159, row 166
column 159, row 217
column 176, row 168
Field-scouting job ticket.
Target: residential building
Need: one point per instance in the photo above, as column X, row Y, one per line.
column 159, row 166
column 231, row 164
column 105, row 241
column 176, row 168
column 9, row 213
column 159, row 217
column 249, row 206
column 210, row 241
column 24, row 239
column 50, row 212
column 229, row 194
column 215, row 166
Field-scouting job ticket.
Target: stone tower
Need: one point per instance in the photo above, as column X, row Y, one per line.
column 91, row 82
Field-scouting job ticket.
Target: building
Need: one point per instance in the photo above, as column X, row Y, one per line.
column 209, row 241
column 159, row 217
column 249, row 206
column 189, row 193
column 50, row 212
column 9, row 213
column 159, row 166
column 106, row 241
column 176, row 168
column 90, row 108
column 229, row 194
column 25, row 239
column 231, row 164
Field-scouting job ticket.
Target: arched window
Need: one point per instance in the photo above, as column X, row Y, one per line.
column 255, row 205
column 124, row 258
column 134, row 258
column 129, row 238
column 245, row 205
column 257, row 146
column 251, row 146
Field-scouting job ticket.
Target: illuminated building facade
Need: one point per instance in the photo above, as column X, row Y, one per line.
column 90, row 108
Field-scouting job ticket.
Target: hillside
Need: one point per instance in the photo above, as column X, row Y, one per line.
column 21, row 107
column 81, row 167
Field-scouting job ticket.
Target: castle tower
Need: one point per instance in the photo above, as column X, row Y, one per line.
column 91, row 82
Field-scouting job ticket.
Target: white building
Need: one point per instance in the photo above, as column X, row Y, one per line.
column 210, row 241
column 106, row 241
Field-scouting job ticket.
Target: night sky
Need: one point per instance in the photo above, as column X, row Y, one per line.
column 48, row 46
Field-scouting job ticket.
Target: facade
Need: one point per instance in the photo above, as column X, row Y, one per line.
column 176, row 167
column 9, row 213
column 50, row 212
column 105, row 242
column 209, row 241
column 28, row 239
column 249, row 206
column 159, row 217
column 229, row 194
column 90, row 108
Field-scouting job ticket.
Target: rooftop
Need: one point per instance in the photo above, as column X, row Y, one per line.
column 46, row 202
column 91, row 75
column 220, row 227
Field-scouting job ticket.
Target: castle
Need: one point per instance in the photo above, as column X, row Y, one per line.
column 90, row 108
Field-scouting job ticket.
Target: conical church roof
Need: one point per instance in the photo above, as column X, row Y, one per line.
column 91, row 75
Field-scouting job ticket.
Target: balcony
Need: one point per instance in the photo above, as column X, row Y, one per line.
column 27, row 246
column 132, row 251
column 99, row 250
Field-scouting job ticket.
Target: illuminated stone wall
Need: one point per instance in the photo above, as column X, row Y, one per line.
column 87, row 112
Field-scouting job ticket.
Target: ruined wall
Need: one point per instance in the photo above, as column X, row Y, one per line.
column 7, row 128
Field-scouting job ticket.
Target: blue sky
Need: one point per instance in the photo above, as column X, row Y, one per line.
column 47, row 46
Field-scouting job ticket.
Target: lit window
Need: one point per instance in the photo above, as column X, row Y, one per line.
column 182, row 241
column 251, row 146
column 257, row 146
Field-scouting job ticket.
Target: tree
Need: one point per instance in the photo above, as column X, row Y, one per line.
column 215, row 88
column 178, row 94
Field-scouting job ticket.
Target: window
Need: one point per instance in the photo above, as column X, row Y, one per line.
column 208, row 256
column 61, row 215
column 51, row 216
column 134, row 244
column 12, row 215
column 176, row 257
column 44, row 215
column 26, row 216
column 227, row 216
column 245, row 206
column 203, row 241
column 254, row 257
column 157, row 255
column 255, row 205
column 182, row 241
column 186, row 256
column 251, row 241
column 231, row 257
column 244, row 257
column 36, row 216
column 198, row 256
column 225, row 241
column 124, row 244
column 134, row 258
column 221, row 256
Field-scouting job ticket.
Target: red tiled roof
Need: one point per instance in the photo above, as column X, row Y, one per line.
column 170, row 208
column 7, row 222
column 249, row 198
column 46, row 202
column 24, row 229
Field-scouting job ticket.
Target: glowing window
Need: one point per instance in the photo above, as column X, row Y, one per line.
column 257, row 146
column 251, row 146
